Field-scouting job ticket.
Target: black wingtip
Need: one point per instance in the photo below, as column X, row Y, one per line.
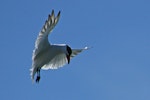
column 52, row 12
column 59, row 13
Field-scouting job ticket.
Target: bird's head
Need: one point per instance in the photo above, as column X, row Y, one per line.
column 69, row 52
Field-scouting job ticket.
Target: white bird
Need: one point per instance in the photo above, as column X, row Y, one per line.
column 50, row 56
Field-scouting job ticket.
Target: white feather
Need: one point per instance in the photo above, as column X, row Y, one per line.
column 46, row 56
column 42, row 45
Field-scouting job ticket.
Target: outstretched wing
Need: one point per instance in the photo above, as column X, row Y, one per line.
column 77, row 51
column 42, row 40
column 60, row 60
column 42, row 43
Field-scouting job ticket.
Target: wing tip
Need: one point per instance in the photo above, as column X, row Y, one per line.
column 59, row 13
column 86, row 48
column 52, row 20
column 52, row 13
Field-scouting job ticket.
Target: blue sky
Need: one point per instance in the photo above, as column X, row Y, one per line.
column 116, row 68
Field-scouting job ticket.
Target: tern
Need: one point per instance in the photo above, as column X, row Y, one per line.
column 50, row 56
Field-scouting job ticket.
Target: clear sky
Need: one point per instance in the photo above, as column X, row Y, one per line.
column 116, row 68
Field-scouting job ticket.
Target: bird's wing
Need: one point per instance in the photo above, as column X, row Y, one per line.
column 57, row 62
column 42, row 39
column 77, row 51
column 60, row 60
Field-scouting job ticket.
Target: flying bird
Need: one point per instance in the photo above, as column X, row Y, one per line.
column 50, row 56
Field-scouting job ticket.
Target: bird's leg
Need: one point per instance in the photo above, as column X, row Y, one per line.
column 38, row 76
